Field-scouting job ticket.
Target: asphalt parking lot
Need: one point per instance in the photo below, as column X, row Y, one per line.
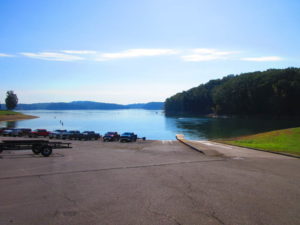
column 148, row 182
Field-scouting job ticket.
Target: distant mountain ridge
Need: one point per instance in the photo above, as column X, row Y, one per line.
column 87, row 105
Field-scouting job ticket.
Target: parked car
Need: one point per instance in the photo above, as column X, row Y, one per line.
column 89, row 135
column 7, row 132
column 56, row 134
column 128, row 137
column 39, row 132
column 111, row 136
column 72, row 134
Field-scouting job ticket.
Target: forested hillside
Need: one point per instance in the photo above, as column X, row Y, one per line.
column 272, row 92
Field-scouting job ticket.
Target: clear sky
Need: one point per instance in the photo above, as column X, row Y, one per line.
column 128, row 51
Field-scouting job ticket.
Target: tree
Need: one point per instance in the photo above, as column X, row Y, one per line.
column 11, row 100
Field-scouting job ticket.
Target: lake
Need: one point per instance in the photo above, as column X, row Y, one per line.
column 152, row 124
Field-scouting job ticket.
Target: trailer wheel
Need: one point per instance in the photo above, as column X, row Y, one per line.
column 36, row 149
column 46, row 151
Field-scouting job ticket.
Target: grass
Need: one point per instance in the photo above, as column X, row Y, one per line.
column 7, row 115
column 8, row 112
column 285, row 141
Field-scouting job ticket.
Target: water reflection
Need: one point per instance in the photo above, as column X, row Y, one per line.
column 187, row 126
column 9, row 124
column 213, row 128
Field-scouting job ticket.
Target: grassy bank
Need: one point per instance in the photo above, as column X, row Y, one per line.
column 8, row 112
column 285, row 141
column 7, row 115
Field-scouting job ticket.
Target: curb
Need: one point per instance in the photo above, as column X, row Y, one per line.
column 180, row 138
column 192, row 145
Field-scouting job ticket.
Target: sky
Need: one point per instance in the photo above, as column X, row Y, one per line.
column 134, row 51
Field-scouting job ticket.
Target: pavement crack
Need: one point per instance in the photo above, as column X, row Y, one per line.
column 62, row 194
column 111, row 168
column 165, row 215
column 194, row 202
column 213, row 215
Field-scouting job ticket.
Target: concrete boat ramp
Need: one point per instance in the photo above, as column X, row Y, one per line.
column 211, row 148
column 149, row 182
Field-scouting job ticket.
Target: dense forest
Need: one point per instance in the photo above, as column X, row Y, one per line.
column 272, row 92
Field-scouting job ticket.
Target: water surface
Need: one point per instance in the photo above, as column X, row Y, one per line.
column 152, row 124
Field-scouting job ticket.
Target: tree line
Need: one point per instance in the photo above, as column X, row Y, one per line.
column 273, row 92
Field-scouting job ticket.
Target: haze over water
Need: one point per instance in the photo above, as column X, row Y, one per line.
column 152, row 124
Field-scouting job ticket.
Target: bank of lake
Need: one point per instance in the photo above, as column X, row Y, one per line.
column 285, row 141
column 8, row 115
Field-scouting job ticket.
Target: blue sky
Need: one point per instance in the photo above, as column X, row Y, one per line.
column 138, row 51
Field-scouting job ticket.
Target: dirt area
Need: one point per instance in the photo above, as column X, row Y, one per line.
column 16, row 117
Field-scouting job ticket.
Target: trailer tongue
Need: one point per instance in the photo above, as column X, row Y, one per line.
column 37, row 146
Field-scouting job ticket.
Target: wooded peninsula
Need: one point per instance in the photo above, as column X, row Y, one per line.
column 273, row 92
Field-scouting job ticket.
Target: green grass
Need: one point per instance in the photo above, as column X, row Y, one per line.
column 286, row 141
column 8, row 112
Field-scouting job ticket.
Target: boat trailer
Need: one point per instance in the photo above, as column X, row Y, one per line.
column 37, row 146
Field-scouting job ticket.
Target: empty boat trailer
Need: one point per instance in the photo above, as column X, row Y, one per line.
column 37, row 146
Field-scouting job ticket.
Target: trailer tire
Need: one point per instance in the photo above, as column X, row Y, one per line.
column 46, row 151
column 36, row 149
column 1, row 148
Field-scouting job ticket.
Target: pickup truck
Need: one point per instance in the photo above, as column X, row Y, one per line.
column 25, row 131
column 17, row 132
column 72, row 134
column 89, row 135
column 128, row 137
column 39, row 132
column 57, row 134
column 111, row 136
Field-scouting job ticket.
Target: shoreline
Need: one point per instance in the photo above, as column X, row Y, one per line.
column 5, row 118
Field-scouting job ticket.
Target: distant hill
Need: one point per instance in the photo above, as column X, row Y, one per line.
column 273, row 92
column 87, row 105
column 150, row 105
